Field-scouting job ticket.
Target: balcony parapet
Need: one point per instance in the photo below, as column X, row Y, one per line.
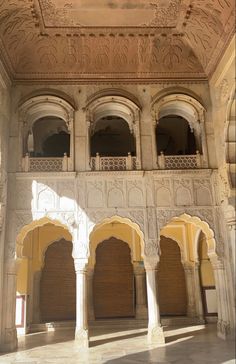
column 113, row 163
column 44, row 164
column 192, row 161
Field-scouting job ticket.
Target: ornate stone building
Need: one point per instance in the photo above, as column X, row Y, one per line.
column 117, row 164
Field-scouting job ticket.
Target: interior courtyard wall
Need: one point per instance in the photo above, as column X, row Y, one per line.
column 222, row 88
column 5, row 101
column 65, row 196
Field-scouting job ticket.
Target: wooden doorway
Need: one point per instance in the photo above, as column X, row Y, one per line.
column 171, row 280
column 58, row 283
column 113, row 284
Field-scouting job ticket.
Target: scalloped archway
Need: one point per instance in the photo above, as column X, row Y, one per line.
column 30, row 227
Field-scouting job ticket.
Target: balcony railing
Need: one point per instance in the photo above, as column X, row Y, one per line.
column 45, row 164
column 179, row 161
column 112, row 163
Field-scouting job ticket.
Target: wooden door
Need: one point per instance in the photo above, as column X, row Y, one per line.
column 171, row 280
column 113, row 283
column 58, row 283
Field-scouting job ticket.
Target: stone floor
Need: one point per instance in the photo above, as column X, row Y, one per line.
column 188, row 345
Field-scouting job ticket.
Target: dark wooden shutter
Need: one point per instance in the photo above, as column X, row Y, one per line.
column 58, row 283
column 113, row 280
column 171, row 280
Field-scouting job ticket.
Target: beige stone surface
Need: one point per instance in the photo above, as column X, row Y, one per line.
column 184, row 345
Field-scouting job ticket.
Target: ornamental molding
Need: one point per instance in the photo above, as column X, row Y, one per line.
column 52, row 40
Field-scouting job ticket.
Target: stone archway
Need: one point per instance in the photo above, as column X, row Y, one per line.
column 191, row 263
column 33, row 242
column 122, row 230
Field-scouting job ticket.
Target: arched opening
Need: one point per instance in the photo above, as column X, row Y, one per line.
column 112, row 138
column 113, row 283
column 116, row 284
column 58, row 283
column 171, row 280
column 174, row 136
column 45, row 286
column 51, row 138
column 207, row 280
column 180, row 132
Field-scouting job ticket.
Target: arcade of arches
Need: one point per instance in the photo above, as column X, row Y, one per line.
column 116, row 276
column 117, row 168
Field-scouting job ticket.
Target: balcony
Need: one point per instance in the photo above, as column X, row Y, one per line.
column 180, row 161
column 113, row 163
column 44, row 164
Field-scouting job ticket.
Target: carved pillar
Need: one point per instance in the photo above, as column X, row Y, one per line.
column 36, row 314
column 155, row 330
column 203, row 140
column 81, row 329
column 223, row 323
column 90, row 273
column 154, row 145
column 189, row 279
column 88, row 149
column 197, row 292
column 9, row 342
column 138, row 145
column 141, row 307
column 71, row 162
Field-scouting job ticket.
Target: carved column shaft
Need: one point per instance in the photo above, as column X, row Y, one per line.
column 223, row 324
column 154, row 146
column 189, row 278
column 81, row 329
column 9, row 342
column 198, row 294
column 155, row 330
column 141, row 307
column 36, row 314
column 90, row 274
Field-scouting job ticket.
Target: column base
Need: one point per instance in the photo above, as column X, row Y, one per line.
column 141, row 312
column 82, row 338
column 223, row 329
column 10, row 341
column 156, row 335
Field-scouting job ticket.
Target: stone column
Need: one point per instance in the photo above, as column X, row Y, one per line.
column 90, row 273
column 141, row 307
column 155, row 330
column 223, row 323
column 81, row 329
column 189, row 278
column 36, row 314
column 9, row 342
column 154, row 145
column 198, row 293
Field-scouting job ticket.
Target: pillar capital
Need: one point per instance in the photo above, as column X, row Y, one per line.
column 138, row 268
column 151, row 262
column 80, row 265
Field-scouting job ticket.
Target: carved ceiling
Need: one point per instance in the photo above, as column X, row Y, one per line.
column 114, row 39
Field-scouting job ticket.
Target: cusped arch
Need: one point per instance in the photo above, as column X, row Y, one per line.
column 30, row 227
column 180, row 244
column 122, row 220
column 203, row 226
